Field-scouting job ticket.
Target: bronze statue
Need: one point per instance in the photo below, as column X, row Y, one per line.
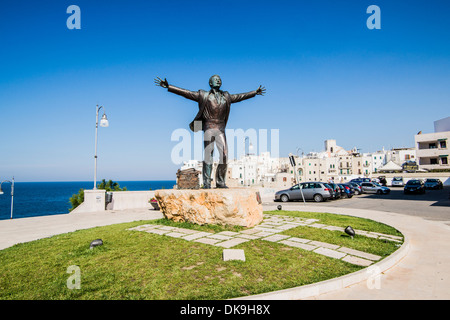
column 212, row 117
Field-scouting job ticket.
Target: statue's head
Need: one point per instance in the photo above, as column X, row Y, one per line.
column 215, row 81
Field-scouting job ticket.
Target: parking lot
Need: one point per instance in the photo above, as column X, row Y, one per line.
column 433, row 205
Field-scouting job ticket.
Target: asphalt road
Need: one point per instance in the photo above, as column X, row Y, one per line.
column 433, row 205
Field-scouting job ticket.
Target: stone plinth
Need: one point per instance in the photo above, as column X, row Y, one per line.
column 234, row 206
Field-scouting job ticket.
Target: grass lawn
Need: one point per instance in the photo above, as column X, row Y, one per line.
column 139, row 265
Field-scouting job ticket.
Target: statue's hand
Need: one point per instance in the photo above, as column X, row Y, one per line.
column 161, row 83
column 260, row 91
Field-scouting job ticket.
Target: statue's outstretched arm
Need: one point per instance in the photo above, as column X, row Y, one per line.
column 192, row 95
column 244, row 96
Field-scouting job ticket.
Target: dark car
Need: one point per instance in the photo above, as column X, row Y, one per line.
column 414, row 186
column 356, row 187
column 348, row 191
column 433, row 184
column 336, row 189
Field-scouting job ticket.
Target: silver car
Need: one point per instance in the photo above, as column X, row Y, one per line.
column 317, row 191
column 397, row 182
column 373, row 187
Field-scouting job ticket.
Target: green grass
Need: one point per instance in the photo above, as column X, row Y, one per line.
column 139, row 265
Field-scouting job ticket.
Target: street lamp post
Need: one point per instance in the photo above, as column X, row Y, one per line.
column 12, row 193
column 250, row 147
column 103, row 123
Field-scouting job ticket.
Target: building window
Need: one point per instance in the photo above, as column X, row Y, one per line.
column 284, row 179
column 444, row 160
column 432, row 146
column 443, row 144
column 433, row 161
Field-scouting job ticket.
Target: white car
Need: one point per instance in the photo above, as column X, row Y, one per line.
column 397, row 182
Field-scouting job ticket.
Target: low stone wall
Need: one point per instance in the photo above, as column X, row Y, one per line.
column 95, row 200
column 122, row 200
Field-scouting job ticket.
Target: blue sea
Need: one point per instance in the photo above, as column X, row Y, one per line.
column 47, row 198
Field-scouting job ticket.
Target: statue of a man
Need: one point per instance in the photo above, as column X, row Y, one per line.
column 212, row 117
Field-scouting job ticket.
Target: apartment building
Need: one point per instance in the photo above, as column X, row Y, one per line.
column 433, row 148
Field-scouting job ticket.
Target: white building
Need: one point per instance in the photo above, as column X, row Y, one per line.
column 433, row 148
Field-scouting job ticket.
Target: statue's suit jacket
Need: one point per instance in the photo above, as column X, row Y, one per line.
column 201, row 96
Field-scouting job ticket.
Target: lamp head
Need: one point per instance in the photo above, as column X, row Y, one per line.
column 104, row 121
column 349, row 230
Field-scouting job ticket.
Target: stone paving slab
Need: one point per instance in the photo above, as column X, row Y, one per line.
column 195, row 236
column 250, row 231
column 361, row 254
column 247, row 236
column 330, row 253
column 186, row 231
column 275, row 237
column 233, row 254
column 323, row 244
column 228, row 233
column 358, row 261
column 167, row 228
column 207, row 240
column 263, row 234
column 219, row 237
column 298, row 245
column 299, row 240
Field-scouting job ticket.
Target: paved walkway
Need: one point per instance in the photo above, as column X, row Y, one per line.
column 424, row 273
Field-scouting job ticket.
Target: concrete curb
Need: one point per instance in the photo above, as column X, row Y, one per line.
column 327, row 286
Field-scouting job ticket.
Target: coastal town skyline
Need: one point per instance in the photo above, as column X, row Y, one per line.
column 327, row 75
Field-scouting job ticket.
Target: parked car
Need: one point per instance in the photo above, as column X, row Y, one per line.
column 361, row 180
column 356, row 187
column 414, row 186
column 397, row 182
column 373, row 187
column 317, row 191
column 336, row 189
column 433, row 184
column 348, row 191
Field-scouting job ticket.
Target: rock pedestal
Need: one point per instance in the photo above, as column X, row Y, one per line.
column 234, row 206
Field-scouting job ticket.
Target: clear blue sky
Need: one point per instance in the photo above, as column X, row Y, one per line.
column 327, row 77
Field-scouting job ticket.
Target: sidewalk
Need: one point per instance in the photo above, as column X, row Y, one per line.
column 424, row 273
